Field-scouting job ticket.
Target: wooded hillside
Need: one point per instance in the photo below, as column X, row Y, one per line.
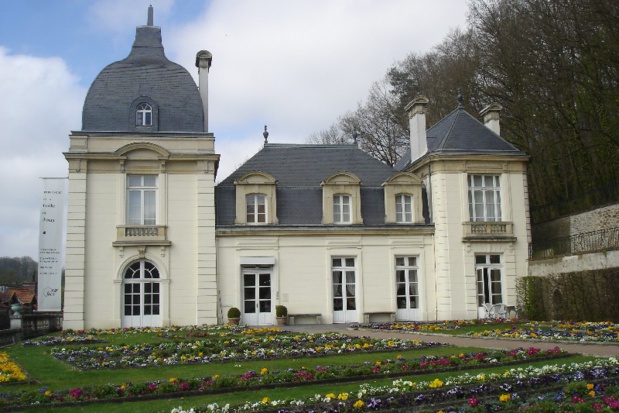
column 554, row 67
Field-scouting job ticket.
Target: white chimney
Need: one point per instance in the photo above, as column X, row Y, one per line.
column 490, row 116
column 417, row 124
column 203, row 63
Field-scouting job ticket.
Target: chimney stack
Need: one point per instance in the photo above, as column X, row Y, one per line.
column 417, row 125
column 204, row 59
column 490, row 116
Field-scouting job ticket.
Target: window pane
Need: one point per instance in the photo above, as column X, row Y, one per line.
column 134, row 209
column 399, row 261
column 150, row 180
column 350, row 262
column 149, row 208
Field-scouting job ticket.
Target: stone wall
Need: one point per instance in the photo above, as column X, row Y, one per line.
column 594, row 220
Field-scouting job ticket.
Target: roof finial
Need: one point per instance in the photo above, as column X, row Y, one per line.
column 149, row 22
column 460, row 99
column 266, row 135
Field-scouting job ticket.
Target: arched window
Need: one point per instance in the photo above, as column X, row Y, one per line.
column 141, row 295
column 144, row 115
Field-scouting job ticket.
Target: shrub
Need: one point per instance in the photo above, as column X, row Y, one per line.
column 234, row 312
column 281, row 311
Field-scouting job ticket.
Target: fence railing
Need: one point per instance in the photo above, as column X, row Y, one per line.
column 601, row 240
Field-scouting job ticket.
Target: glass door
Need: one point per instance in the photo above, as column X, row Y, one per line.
column 344, row 294
column 257, row 305
column 407, row 289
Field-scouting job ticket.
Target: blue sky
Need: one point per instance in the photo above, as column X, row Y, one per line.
column 292, row 65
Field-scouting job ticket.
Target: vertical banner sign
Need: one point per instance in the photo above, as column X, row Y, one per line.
column 50, row 245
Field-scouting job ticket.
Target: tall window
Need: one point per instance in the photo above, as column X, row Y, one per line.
column 488, row 268
column 144, row 115
column 407, row 282
column 403, row 208
column 141, row 199
column 484, row 197
column 341, row 209
column 256, row 209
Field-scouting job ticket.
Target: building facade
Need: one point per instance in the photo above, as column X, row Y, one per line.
column 326, row 230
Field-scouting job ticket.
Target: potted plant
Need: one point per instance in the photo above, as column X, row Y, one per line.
column 234, row 316
column 281, row 314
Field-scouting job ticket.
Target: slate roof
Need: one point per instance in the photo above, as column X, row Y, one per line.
column 299, row 170
column 459, row 133
column 146, row 72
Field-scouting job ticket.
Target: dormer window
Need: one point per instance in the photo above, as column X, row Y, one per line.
column 403, row 209
column 256, row 209
column 341, row 209
column 256, row 202
column 144, row 115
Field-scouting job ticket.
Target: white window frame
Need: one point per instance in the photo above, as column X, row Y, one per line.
column 342, row 209
column 144, row 115
column 408, row 266
column 142, row 199
column 485, row 198
column 489, row 290
column 403, row 208
column 253, row 202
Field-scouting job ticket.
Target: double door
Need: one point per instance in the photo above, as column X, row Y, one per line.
column 257, row 297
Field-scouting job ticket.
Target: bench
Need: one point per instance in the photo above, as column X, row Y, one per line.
column 367, row 317
column 292, row 317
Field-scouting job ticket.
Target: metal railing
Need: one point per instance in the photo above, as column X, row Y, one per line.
column 600, row 240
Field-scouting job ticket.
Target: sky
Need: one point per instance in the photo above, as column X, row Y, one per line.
column 293, row 65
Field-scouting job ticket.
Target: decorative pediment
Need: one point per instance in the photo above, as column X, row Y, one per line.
column 142, row 150
column 403, row 178
column 342, row 178
column 256, row 178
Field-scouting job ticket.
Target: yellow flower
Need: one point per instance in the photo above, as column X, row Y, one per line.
column 216, row 376
column 505, row 397
column 330, row 396
column 173, row 380
column 592, row 393
column 461, row 355
column 358, row 404
column 48, row 393
column 590, row 386
column 436, row 383
column 343, row 396
column 264, row 371
column 266, row 400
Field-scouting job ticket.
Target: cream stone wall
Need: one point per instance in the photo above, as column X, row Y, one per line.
column 301, row 275
column 455, row 252
column 98, row 251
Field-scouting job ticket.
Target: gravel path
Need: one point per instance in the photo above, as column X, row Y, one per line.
column 590, row 349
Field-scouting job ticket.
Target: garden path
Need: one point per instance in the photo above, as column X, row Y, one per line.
column 590, row 349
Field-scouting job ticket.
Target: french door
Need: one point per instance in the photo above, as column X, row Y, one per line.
column 407, row 289
column 489, row 288
column 344, row 290
column 141, row 295
column 257, row 304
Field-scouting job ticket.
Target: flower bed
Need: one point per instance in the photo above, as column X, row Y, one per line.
column 265, row 379
column 420, row 326
column 9, row 371
column 563, row 331
column 550, row 388
column 232, row 349
column 64, row 339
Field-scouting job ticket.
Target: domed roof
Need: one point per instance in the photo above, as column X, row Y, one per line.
column 146, row 76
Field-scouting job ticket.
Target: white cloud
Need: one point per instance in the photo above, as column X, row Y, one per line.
column 298, row 65
column 41, row 103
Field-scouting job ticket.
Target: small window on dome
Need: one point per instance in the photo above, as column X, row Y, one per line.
column 144, row 115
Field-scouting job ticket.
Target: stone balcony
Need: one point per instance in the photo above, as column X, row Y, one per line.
column 128, row 235
column 488, row 231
